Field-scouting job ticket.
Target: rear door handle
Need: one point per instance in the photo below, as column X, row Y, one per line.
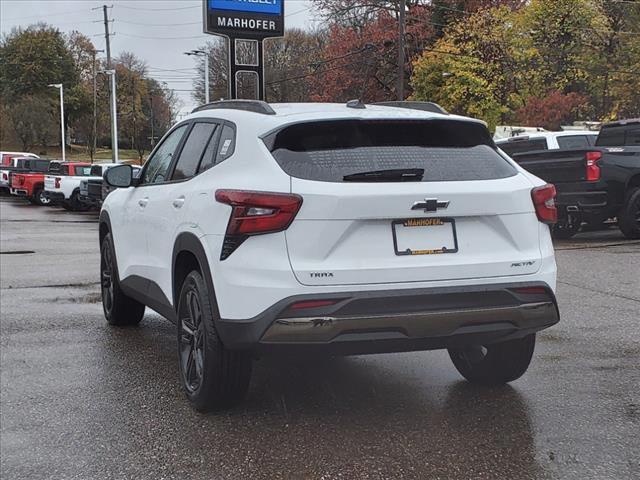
column 143, row 202
column 178, row 202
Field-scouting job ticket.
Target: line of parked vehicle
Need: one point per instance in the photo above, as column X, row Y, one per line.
column 75, row 186
column 597, row 178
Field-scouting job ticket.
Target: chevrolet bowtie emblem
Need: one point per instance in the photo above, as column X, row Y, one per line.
column 430, row 205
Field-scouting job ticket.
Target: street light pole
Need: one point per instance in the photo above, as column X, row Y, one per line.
column 95, row 107
column 114, row 116
column 64, row 140
column 202, row 53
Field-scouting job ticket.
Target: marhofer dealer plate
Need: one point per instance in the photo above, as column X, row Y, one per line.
column 424, row 236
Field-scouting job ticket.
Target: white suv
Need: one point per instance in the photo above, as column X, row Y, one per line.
column 347, row 229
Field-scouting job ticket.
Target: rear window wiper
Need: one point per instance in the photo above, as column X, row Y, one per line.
column 393, row 175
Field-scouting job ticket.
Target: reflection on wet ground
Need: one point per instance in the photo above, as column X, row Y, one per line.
column 82, row 400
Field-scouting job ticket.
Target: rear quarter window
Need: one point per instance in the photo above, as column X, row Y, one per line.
column 574, row 141
column 447, row 150
column 523, row 146
column 613, row 136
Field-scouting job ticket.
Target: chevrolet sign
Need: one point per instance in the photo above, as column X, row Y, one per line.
column 250, row 19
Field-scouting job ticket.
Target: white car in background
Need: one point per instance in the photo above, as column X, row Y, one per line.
column 567, row 139
column 337, row 228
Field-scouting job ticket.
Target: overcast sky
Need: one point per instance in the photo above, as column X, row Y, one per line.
column 158, row 31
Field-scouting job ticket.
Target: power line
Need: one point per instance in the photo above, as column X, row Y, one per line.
column 40, row 16
column 159, row 9
column 202, row 37
column 160, row 24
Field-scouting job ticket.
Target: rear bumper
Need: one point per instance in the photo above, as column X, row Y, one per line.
column 586, row 197
column 87, row 200
column 396, row 320
column 55, row 197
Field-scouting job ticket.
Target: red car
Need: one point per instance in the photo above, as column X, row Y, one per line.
column 29, row 183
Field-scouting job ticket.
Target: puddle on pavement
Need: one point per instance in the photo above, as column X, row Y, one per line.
column 93, row 297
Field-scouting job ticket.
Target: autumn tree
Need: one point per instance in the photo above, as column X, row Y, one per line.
column 290, row 62
column 32, row 58
column 478, row 67
column 551, row 111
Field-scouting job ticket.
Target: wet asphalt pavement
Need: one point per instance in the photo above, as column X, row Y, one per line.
column 80, row 399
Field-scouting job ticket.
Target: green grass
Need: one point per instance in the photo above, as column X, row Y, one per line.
column 79, row 153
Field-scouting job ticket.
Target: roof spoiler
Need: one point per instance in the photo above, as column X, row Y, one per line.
column 255, row 106
column 423, row 106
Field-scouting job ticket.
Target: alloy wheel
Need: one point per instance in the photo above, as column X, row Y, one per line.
column 106, row 277
column 191, row 340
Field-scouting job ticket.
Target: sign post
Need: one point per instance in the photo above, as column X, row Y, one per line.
column 245, row 24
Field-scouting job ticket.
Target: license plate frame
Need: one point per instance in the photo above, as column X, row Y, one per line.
column 424, row 223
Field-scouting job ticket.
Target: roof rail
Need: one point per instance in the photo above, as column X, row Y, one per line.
column 424, row 106
column 255, row 106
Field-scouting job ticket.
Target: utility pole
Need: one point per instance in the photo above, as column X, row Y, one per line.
column 107, row 35
column 153, row 140
column 401, row 54
column 112, row 93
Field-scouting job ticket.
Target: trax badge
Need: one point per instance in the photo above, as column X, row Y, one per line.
column 430, row 205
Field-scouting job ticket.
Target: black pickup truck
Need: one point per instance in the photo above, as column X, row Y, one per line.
column 594, row 183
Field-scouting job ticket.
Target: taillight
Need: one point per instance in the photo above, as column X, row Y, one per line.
column 544, row 200
column 5, row 176
column 593, row 170
column 57, row 185
column 256, row 213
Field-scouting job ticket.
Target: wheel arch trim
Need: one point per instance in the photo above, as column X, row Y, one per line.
column 190, row 243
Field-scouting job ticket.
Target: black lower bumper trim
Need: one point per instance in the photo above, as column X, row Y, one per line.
column 397, row 320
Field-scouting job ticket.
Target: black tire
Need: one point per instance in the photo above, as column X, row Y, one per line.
column 495, row 364
column 629, row 218
column 212, row 376
column 119, row 309
column 40, row 197
column 74, row 204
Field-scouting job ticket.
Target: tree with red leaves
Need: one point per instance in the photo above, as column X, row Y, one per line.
column 551, row 111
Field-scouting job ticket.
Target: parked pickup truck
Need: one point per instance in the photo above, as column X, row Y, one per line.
column 29, row 181
column 593, row 183
column 8, row 162
column 93, row 190
column 567, row 139
column 63, row 188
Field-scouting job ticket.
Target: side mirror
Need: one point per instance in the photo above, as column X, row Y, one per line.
column 120, row 176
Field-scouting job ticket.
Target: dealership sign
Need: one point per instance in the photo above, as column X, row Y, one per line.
column 247, row 19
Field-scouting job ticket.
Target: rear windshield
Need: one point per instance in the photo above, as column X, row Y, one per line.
column 41, row 165
column 523, row 146
column 447, row 150
column 576, row 141
column 82, row 171
column 619, row 136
